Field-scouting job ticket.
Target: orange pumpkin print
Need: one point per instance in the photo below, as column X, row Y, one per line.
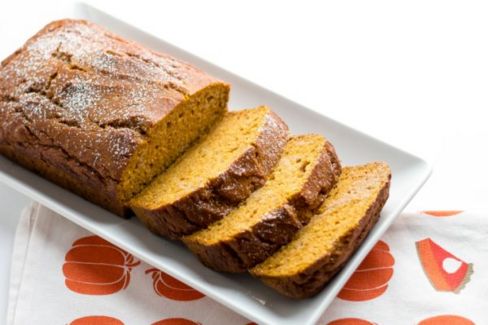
column 446, row 319
column 93, row 266
column 445, row 271
column 350, row 321
column 166, row 286
column 370, row 280
column 442, row 213
column 176, row 321
column 96, row 320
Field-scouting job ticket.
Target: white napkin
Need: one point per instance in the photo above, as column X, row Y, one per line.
column 62, row 274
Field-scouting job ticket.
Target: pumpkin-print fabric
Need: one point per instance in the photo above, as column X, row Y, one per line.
column 93, row 266
column 166, row 286
column 96, row 320
column 428, row 269
column 371, row 277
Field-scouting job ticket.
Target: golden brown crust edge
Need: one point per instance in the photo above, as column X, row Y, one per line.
column 209, row 204
column 313, row 280
column 277, row 228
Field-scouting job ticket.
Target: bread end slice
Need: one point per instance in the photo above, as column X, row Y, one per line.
column 319, row 250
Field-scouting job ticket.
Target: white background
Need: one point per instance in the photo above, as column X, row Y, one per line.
column 412, row 73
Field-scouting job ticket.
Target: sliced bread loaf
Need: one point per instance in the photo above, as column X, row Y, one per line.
column 214, row 175
column 307, row 170
column 302, row 268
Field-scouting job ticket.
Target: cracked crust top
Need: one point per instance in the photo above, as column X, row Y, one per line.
column 89, row 95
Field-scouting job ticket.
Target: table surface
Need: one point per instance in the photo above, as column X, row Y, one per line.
column 413, row 74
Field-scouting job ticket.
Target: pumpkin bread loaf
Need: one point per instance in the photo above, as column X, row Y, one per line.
column 307, row 170
column 214, row 175
column 318, row 251
column 100, row 115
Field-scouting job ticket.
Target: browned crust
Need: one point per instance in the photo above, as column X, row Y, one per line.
column 31, row 157
column 320, row 182
column 316, row 276
column 44, row 131
column 277, row 228
column 212, row 202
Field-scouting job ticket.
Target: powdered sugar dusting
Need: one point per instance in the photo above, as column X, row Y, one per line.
column 104, row 62
column 83, row 77
column 80, row 96
column 118, row 147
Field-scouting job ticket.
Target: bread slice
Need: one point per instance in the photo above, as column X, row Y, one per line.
column 100, row 115
column 214, row 175
column 268, row 219
column 319, row 250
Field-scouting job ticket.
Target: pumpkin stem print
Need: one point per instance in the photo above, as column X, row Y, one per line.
column 93, row 266
column 166, row 286
column 445, row 271
column 370, row 280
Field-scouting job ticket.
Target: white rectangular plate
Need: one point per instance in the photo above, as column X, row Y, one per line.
column 241, row 293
